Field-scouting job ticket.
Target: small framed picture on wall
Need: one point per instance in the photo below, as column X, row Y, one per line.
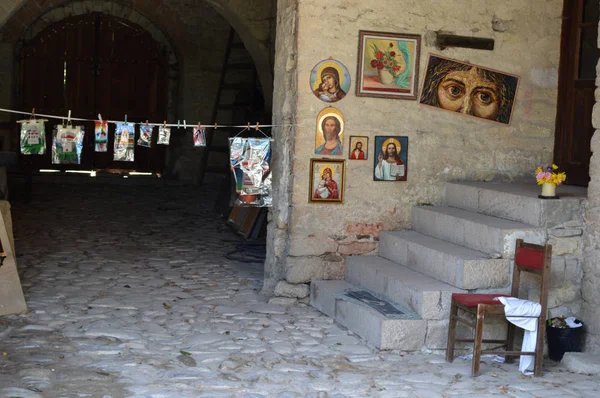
column 359, row 146
column 327, row 180
column 391, row 158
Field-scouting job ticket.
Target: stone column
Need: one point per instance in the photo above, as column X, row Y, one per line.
column 284, row 108
column 590, row 288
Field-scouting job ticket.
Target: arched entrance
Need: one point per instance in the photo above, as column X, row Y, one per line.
column 96, row 63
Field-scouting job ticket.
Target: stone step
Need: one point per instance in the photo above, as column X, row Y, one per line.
column 517, row 201
column 383, row 332
column 400, row 285
column 488, row 234
column 445, row 261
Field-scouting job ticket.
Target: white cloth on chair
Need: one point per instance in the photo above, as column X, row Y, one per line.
column 513, row 307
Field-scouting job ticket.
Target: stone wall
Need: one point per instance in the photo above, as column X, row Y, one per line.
column 590, row 290
column 442, row 145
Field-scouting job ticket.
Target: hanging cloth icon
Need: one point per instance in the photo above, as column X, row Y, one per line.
column 33, row 137
column 250, row 163
column 67, row 144
column 164, row 135
column 124, row 142
column 199, row 136
column 145, row 135
column 101, row 136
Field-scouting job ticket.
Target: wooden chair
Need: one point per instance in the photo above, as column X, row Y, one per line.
column 529, row 258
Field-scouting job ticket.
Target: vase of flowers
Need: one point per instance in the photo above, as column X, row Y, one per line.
column 549, row 178
column 386, row 63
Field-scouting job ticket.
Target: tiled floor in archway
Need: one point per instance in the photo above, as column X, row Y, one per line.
column 130, row 294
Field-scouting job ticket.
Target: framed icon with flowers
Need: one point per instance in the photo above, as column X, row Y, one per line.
column 327, row 180
column 388, row 65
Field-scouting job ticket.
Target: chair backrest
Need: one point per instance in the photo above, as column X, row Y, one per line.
column 535, row 259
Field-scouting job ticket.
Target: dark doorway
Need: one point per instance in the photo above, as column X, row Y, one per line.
column 577, row 74
column 94, row 64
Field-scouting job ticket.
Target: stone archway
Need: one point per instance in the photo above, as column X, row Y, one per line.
column 245, row 17
column 79, row 8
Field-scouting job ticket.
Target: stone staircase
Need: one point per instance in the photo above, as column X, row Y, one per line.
column 464, row 246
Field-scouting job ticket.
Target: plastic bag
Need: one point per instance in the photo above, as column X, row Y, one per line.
column 33, row 137
column 67, row 144
column 145, row 135
column 250, row 163
column 164, row 135
column 124, row 142
column 199, row 136
column 101, row 136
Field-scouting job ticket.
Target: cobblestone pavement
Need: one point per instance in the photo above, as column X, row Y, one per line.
column 130, row 294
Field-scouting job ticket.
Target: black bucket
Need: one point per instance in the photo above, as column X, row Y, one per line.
column 561, row 340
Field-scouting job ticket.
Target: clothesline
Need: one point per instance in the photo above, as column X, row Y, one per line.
column 178, row 124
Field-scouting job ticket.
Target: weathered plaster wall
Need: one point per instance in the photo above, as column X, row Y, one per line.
column 590, row 289
column 442, row 145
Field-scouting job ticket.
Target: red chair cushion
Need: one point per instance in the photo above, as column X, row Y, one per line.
column 526, row 257
column 472, row 299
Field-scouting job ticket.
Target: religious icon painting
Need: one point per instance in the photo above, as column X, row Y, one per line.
column 329, row 134
column 199, row 136
column 388, row 65
column 330, row 80
column 327, row 181
column 358, row 148
column 101, row 136
column 145, row 135
column 471, row 90
column 164, row 135
column 390, row 158
column 124, row 142
column 33, row 137
column 67, row 144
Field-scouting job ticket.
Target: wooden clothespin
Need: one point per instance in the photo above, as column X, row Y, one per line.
column 257, row 126
column 125, row 118
column 146, row 122
column 199, row 126
column 215, row 124
column 184, row 125
column 33, row 113
column 100, row 118
column 248, row 126
column 165, row 124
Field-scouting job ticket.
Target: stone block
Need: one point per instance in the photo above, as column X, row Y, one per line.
column 562, row 246
column 400, row 285
column 302, row 269
column 323, row 294
column 566, row 232
column 284, row 289
column 356, row 247
column 287, row 301
column 581, row 362
column 364, row 229
column 476, row 231
column 573, row 270
column 444, row 261
column 557, row 270
column 311, row 245
column 333, row 266
column 557, row 296
column 383, row 333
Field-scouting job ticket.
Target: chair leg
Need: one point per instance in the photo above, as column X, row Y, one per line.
column 510, row 342
column 477, row 343
column 539, row 350
column 451, row 332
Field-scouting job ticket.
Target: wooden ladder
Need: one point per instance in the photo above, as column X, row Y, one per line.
column 215, row 157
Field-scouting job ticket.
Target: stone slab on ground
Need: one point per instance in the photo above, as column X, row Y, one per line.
column 580, row 362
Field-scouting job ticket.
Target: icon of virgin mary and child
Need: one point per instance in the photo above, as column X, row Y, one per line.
column 329, row 90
